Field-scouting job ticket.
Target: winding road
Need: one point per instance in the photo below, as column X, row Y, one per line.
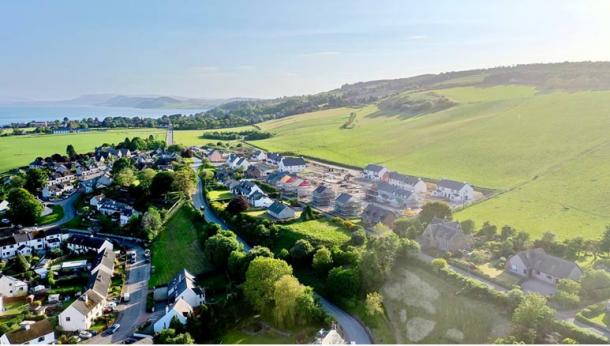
column 352, row 329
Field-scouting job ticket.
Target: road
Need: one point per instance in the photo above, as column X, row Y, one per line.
column 133, row 313
column 353, row 330
column 69, row 211
column 169, row 136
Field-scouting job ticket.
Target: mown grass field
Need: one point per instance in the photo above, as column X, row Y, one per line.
column 21, row 150
column 56, row 215
column 178, row 245
column 318, row 232
column 423, row 308
column 547, row 151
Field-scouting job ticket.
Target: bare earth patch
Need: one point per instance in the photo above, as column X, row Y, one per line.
column 413, row 291
column 418, row 328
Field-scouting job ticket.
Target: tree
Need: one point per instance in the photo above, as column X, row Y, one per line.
column 322, row 260
column 301, row 250
column 237, row 205
column 151, row 223
column 120, row 164
column 23, row 263
column 488, row 230
column 239, row 261
column 604, row 244
column 467, row 226
column 35, row 180
column 287, row 290
column 145, row 177
column 343, row 283
column 358, row 237
column 125, row 177
column 408, row 248
column 260, row 280
column 184, row 181
column 162, row 183
column 218, row 248
column 24, row 209
column 439, row 263
column 595, row 284
column 533, row 313
column 408, row 228
column 507, row 232
column 374, row 304
column 171, row 336
column 70, row 151
column 434, row 209
column 307, row 214
column 378, row 260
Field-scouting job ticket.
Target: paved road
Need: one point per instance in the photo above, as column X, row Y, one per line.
column 569, row 316
column 69, row 211
column 353, row 330
column 169, row 136
column 133, row 313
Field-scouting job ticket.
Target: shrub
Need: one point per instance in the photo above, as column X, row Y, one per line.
column 439, row 263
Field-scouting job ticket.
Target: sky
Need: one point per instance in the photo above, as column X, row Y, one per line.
column 62, row 49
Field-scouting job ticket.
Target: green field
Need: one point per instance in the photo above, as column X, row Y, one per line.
column 548, row 151
column 56, row 215
column 220, row 195
column 178, row 246
column 318, row 232
column 21, row 150
column 193, row 137
column 422, row 308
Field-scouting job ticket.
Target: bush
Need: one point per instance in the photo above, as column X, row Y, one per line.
column 439, row 263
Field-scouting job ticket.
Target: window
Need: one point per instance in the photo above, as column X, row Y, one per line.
column 40, row 339
column 67, row 319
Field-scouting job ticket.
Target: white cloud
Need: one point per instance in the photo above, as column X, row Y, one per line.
column 321, row 54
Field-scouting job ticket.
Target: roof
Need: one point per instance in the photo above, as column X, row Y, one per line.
column 374, row 211
column 85, row 306
column 105, row 261
column 394, row 190
column 86, row 241
column 182, row 307
column 443, row 229
column 344, row 197
column 541, row 261
column 406, row 179
column 293, row 161
column 180, row 283
column 373, row 168
column 277, row 207
column 322, row 189
column 35, row 331
column 100, row 282
column 451, row 184
column 274, row 157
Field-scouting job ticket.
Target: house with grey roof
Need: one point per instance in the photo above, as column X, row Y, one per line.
column 292, row 164
column 375, row 172
column 537, row 264
column 280, row 211
column 258, row 155
column 445, row 236
column 182, row 286
column 408, row 182
column 323, row 196
column 30, row 333
column 395, row 196
column 374, row 214
column 347, row 205
column 274, row 158
column 454, row 191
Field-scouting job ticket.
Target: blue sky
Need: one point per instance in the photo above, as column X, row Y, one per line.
column 62, row 49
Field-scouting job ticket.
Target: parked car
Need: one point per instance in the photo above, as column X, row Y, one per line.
column 85, row 334
column 126, row 297
column 113, row 329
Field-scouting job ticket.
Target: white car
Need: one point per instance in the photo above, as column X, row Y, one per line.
column 85, row 334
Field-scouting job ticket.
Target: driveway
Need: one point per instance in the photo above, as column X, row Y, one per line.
column 538, row 286
column 133, row 313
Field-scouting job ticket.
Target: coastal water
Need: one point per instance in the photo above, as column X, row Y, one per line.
column 23, row 114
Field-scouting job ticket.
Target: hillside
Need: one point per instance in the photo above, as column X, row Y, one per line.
column 547, row 149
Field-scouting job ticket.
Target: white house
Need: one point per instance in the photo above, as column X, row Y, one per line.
column 245, row 188
column 374, row 172
column 396, row 196
column 182, row 286
column 31, row 333
column 83, row 244
column 280, row 211
column 454, row 191
column 180, row 310
column 11, row 287
column 408, row 182
column 537, row 264
column 260, row 200
column 274, row 158
column 258, row 155
column 292, row 164
column 82, row 312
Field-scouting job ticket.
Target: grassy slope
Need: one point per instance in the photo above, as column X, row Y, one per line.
column 21, row 150
column 548, row 148
column 318, row 232
column 178, row 246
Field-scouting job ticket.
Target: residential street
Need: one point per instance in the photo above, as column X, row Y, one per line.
column 353, row 330
column 133, row 313
column 69, row 211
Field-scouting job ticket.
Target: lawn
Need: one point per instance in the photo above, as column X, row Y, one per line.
column 503, row 276
column 56, row 215
column 255, row 331
column 422, row 308
column 219, row 195
column 547, row 151
column 320, row 231
column 193, row 137
column 179, row 245
column 21, row 150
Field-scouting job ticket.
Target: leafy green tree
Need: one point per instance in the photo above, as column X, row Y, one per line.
column 374, row 304
column 162, row 183
column 120, row 165
column 23, row 263
column 595, row 284
column 239, row 261
column 260, row 281
column 24, row 209
column 434, row 209
column 170, row 336
column 507, row 232
column 35, row 180
column 488, row 230
column 218, row 248
column 287, row 290
column 307, row 214
column 343, row 283
column 184, row 181
column 125, row 177
column 408, row 248
column 467, row 226
column 533, row 313
column 358, row 237
column 439, row 263
column 145, row 177
column 604, row 244
column 70, row 151
column 322, row 260
column 151, row 223
column 301, row 251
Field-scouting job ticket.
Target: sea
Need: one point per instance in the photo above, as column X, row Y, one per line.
column 22, row 114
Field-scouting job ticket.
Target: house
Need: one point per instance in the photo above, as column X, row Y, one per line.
column 280, row 211
column 113, row 208
column 323, row 196
column 241, row 163
column 56, row 191
column 82, row 312
column 31, row 333
column 181, row 310
column 182, row 286
column 215, row 156
column 87, row 244
column 260, row 200
column 537, row 264
column 11, row 287
column 274, row 158
column 408, row 182
column 245, row 188
column 3, row 206
column 374, row 214
column 445, row 236
column 96, row 200
column 258, row 155
column 292, row 164
column 104, row 181
column 347, row 205
column 396, row 196
column 259, row 171
column 454, row 191
column 375, row 172
column 61, row 130
column 330, row 337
